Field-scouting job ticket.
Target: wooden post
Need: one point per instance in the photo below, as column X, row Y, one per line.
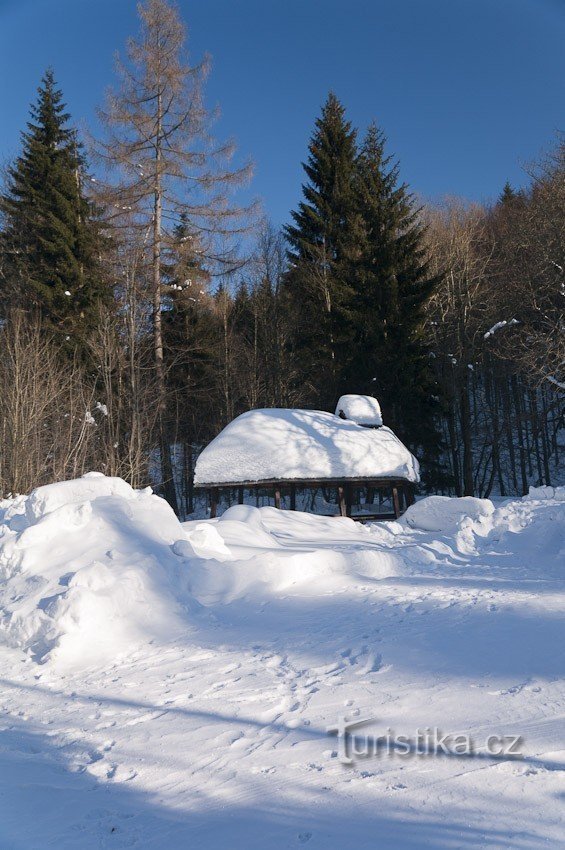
column 341, row 498
column 401, row 502
column 348, row 498
column 293, row 497
column 395, row 502
column 409, row 495
column 213, row 503
column 240, row 495
column 277, row 496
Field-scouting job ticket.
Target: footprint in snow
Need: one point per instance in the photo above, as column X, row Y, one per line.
column 303, row 837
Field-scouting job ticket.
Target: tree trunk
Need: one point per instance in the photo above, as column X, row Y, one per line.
column 167, row 475
column 521, row 446
column 468, row 482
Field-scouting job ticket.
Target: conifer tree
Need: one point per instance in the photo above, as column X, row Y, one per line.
column 394, row 283
column 508, row 194
column 50, row 239
column 324, row 247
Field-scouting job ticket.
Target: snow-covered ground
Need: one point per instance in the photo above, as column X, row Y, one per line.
column 170, row 686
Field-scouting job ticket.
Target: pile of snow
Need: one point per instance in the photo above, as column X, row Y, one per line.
column 88, row 569
column 534, row 528
column 285, row 554
column 546, row 492
column 91, row 568
column 362, row 409
column 443, row 513
column 278, row 444
column 93, row 485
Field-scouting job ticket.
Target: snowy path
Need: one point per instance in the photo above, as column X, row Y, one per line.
column 218, row 739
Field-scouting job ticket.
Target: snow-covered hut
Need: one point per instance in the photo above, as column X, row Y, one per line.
column 346, row 463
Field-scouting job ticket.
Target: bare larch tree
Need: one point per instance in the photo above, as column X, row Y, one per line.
column 165, row 167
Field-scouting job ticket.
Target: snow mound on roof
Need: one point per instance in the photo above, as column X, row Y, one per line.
column 91, row 567
column 443, row 513
column 363, row 409
column 280, row 444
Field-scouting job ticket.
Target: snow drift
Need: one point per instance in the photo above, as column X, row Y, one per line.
column 266, row 626
column 87, row 571
column 91, row 568
column 443, row 513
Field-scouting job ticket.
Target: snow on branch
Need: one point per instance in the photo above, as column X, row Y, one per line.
column 500, row 325
column 559, row 384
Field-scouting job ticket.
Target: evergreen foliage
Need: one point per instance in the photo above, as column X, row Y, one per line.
column 324, row 248
column 50, row 241
column 391, row 356
column 360, row 279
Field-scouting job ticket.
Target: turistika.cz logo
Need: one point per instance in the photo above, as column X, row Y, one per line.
column 430, row 741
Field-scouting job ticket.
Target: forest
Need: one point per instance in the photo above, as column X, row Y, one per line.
column 142, row 307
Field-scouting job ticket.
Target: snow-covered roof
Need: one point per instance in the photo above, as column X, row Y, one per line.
column 363, row 409
column 276, row 444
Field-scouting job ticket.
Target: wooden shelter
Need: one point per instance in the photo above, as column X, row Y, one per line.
column 301, row 459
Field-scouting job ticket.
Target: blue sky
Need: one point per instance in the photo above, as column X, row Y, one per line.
column 467, row 91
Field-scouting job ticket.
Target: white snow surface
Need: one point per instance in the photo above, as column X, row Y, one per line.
column 363, row 409
column 275, row 443
column 170, row 685
column 441, row 513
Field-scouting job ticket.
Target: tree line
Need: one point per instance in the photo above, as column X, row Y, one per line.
column 142, row 308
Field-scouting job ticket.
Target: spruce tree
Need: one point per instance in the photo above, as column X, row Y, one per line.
column 508, row 194
column 324, row 248
column 50, row 241
column 393, row 282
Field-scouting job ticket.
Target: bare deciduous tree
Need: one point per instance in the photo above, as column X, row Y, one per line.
column 170, row 169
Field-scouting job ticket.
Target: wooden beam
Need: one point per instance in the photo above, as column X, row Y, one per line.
column 396, row 502
column 293, row 497
column 277, row 497
column 341, row 499
column 240, row 495
column 213, row 503
column 348, row 498
column 371, row 517
column 378, row 483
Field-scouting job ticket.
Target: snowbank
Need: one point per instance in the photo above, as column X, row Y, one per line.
column 91, row 568
column 273, row 444
column 87, row 570
column 443, row 513
column 362, row 409
column 546, row 492
column 286, row 553
column 213, row 732
column 93, row 485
